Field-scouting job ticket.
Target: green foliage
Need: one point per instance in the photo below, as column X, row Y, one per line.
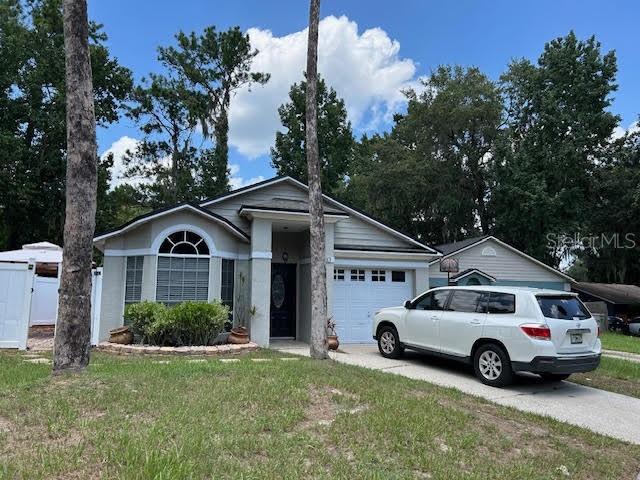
column 436, row 159
column 614, row 215
column 32, row 116
column 558, row 123
column 140, row 317
column 213, row 66
column 163, row 110
column 187, row 323
column 335, row 139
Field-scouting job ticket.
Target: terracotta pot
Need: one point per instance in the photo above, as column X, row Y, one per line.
column 332, row 342
column 238, row 335
column 121, row 335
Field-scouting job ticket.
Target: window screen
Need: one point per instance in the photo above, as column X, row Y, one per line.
column 228, row 276
column 181, row 279
column 133, row 282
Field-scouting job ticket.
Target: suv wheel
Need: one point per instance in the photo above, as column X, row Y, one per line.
column 492, row 365
column 555, row 377
column 389, row 343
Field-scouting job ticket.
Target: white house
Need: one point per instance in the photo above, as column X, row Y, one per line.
column 250, row 248
column 487, row 260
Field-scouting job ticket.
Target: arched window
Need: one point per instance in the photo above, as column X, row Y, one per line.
column 488, row 252
column 183, row 268
column 184, row 243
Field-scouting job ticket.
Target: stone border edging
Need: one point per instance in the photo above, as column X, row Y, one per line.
column 229, row 348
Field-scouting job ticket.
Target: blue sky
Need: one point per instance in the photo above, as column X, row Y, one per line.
column 371, row 50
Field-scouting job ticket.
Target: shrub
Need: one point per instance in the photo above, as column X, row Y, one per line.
column 189, row 323
column 140, row 317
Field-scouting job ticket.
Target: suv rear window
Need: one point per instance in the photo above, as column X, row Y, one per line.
column 563, row 307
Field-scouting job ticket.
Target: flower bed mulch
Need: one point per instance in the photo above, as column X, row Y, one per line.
column 226, row 349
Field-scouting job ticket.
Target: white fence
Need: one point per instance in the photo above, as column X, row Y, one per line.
column 27, row 299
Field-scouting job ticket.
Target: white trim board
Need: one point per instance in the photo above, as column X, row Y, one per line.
column 372, row 263
column 509, row 247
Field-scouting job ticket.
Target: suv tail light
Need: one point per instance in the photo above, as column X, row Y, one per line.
column 537, row 331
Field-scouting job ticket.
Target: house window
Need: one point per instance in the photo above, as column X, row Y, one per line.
column 183, row 269
column 357, row 275
column 378, row 275
column 228, row 275
column 338, row 274
column 133, row 281
column 398, row 276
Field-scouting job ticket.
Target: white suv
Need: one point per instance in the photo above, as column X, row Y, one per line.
column 499, row 330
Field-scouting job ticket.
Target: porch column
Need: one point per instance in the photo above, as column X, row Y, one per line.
column 260, row 267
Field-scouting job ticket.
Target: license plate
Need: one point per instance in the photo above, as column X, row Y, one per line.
column 576, row 338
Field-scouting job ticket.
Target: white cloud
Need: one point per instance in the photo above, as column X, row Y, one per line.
column 119, row 149
column 620, row 132
column 364, row 68
column 236, row 181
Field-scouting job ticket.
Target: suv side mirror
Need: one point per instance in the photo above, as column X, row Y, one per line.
column 408, row 305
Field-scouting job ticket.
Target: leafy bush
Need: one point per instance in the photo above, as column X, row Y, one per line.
column 187, row 323
column 141, row 316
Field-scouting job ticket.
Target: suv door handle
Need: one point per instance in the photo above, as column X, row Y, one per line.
column 475, row 321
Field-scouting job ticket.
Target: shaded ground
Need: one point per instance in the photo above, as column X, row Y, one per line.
column 263, row 417
column 40, row 338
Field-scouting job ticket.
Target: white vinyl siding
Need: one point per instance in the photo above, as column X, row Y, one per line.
column 182, row 278
column 133, row 280
column 504, row 265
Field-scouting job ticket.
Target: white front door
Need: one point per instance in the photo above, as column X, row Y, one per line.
column 358, row 292
column 16, row 284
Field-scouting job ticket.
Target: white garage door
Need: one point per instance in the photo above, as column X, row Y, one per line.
column 359, row 292
column 16, row 282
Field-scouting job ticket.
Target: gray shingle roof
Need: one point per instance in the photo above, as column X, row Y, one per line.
column 447, row 248
column 617, row 293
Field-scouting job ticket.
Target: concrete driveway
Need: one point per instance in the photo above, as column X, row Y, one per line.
column 604, row 412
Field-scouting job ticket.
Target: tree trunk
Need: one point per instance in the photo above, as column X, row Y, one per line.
column 318, row 266
column 72, row 340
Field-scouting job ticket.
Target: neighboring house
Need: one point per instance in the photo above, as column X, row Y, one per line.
column 487, row 260
column 621, row 300
column 250, row 248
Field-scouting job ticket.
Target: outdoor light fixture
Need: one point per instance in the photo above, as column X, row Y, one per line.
column 285, row 257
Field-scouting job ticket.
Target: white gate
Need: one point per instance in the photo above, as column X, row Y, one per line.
column 44, row 306
column 16, row 285
column 96, row 301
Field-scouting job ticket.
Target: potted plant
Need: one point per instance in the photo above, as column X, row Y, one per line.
column 332, row 338
column 239, row 333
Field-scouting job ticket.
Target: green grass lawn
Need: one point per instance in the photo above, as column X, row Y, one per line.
column 613, row 374
column 129, row 417
column 620, row 342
